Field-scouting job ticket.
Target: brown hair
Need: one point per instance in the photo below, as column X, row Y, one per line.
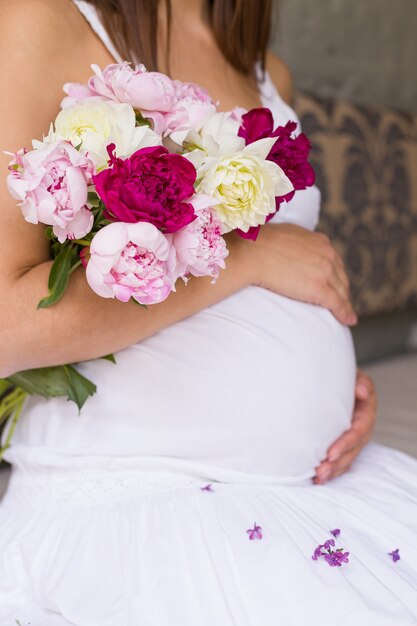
column 241, row 29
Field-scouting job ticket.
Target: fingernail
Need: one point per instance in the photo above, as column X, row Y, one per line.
column 333, row 456
column 352, row 320
column 324, row 474
column 363, row 389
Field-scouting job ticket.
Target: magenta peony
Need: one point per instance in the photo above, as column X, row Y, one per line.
column 289, row 152
column 152, row 186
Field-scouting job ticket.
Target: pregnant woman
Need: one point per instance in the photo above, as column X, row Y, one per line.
column 183, row 494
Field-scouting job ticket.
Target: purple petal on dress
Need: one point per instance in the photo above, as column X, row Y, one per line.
column 317, row 552
column 335, row 532
column 335, row 559
column 255, row 532
column 207, row 488
column 395, row 555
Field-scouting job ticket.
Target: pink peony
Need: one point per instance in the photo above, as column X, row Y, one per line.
column 146, row 91
column 290, row 153
column 122, row 83
column 171, row 105
column 152, row 93
column 192, row 107
column 51, row 184
column 200, row 247
column 77, row 93
column 131, row 261
column 152, row 185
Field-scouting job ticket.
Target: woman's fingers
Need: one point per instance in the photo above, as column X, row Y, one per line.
column 350, row 440
column 365, row 387
column 344, row 463
column 335, row 292
column 359, row 434
column 309, row 269
column 344, row 451
column 350, row 443
column 327, row 471
column 331, row 296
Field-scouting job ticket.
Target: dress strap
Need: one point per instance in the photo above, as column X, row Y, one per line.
column 272, row 99
column 90, row 13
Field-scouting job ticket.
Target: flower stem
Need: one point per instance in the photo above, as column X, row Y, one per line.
column 16, row 405
column 75, row 266
column 82, row 242
column 9, row 401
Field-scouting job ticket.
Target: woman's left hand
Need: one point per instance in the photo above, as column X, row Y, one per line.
column 344, row 451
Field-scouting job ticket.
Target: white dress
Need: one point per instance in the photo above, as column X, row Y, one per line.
column 110, row 519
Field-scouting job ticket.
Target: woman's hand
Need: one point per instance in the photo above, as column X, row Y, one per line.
column 344, row 451
column 303, row 265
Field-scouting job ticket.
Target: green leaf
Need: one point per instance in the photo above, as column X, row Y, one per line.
column 48, row 382
column 49, row 233
column 4, row 386
column 11, row 408
column 142, row 121
column 55, row 382
column 93, row 199
column 58, row 277
column 79, row 387
column 109, row 357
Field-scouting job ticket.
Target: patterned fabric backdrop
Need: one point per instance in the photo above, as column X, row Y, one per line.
column 366, row 165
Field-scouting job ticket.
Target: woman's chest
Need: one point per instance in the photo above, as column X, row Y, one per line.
column 206, row 66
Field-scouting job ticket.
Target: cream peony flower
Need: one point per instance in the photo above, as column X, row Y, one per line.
column 245, row 185
column 218, row 135
column 96, row 124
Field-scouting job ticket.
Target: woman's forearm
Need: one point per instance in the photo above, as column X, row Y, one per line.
column 286, row 259
column 83, row 326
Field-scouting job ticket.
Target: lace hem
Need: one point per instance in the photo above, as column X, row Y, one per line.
column 69, row 487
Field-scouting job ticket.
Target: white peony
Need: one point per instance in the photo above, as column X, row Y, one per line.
column 94, row 125
column 218, row 135
column 245, row 184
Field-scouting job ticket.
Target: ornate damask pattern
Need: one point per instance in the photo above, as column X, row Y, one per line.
column 366, row 166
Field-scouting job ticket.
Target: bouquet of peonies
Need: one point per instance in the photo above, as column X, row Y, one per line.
column 138, row 181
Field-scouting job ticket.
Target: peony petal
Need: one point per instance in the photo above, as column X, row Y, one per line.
column 148, row 236
column 111, row 239
column 122, row 292
column 77, row 187
column 260, row 148
column 96, row 281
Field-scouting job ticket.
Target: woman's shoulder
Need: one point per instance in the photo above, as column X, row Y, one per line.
column 51, row 34
column 280, row 75
column 36, row 18
column 43, row 44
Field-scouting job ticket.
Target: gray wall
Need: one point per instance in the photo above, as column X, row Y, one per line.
column 361, row 50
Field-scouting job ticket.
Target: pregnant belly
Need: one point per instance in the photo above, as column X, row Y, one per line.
column 257, row 384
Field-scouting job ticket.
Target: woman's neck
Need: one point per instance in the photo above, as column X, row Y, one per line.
column 187, row 9
column 187, row 17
